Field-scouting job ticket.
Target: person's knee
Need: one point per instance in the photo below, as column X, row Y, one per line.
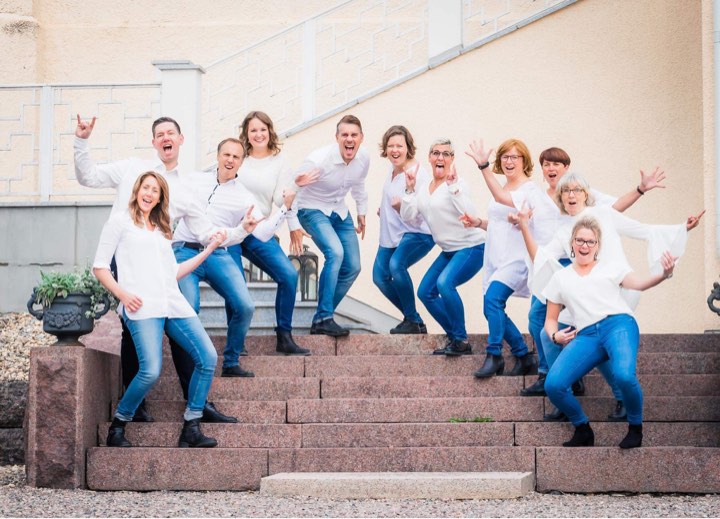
column 554, row 385
column 426, row 292
column 624, row 378
column 334, row 256
column 149, row 372
column 397, row 266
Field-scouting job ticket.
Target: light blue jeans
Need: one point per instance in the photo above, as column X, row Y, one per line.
column 222, row 274
column 500, row 326
column 337, row 240
column 438, row 289
column 191, row 336
column 616, row 338
column 390, row 271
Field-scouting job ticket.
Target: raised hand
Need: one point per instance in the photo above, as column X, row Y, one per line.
column 360, row 229
column 452, row 176
column 84, row 128
column 308, row 177
column 478, row 153
column 296, row 241
column 693, row 221
column 469, row 221
column 652, row 180
column 288, row 197
column 249, row 221
column 411, row 178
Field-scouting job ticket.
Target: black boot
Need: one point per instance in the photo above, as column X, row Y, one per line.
column 578, row 387
column 287, row 345
column 583, row 437
column 537, row 389
column 633, row 438
column 212, row 415
column 192, row 436
column 116, row 434
column 523, row 366
column 555, row 416
column 142, row 415
column 619, row 414
column 493, row 365
column 457, row 348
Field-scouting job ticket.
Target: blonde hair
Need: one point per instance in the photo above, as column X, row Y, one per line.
column 159, row 215
column 573, row 178
column 590, row 223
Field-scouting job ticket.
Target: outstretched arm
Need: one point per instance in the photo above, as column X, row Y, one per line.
column 482, row 158
column 648, row 181
column 634, row 281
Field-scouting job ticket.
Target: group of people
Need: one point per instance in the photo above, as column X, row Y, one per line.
column 170, row 228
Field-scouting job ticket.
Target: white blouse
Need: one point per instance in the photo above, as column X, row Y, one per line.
column 146, row 267
column 442, row 210
column 590, row 298
column 392, row 226
column 505, row 253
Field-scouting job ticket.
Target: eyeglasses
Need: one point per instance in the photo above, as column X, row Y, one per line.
column 580, row 242
column 510, row 158
column 446, row 154
column 568, row 190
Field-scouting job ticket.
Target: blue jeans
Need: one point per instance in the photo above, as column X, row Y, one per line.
column 222, row 274
column 337, row 240
column 438, row 288
column 390, row 271
column 269, row 256
column 616, row 338
column 500, row 325
column 191, row 336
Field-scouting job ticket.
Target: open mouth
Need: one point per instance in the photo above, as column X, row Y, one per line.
column 167, row 147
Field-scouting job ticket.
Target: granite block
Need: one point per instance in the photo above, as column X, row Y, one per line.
column 254, row 388
column 398, row 410
column 392, row 366
column 656, row 408
column 276, row 366
column 675, row 342
column 258, row 411
column 12, row 447
column 13, row 399
column 368, row 344
column 419, row 387
column 610, row 469
column 660, row 385
column 403, row 459
column 679, row 363
column 408, row 435
column 264, row 345
column 147, row 468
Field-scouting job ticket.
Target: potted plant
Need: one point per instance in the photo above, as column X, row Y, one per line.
column 71, row 302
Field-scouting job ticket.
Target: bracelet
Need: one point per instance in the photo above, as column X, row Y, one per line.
column 640, row 191
column 409, row 192
column 483, row 166
column 669, row 276
column 553, row 337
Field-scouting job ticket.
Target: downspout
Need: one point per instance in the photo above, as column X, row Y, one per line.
column 716, row 92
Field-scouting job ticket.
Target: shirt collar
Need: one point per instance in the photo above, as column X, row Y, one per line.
column 335, row 155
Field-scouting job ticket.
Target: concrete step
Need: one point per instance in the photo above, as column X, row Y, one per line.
column 400, row 485
column 257, row 388
column 647, row 469
column 252, row 412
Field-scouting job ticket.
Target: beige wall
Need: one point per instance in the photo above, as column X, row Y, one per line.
column 617, row 84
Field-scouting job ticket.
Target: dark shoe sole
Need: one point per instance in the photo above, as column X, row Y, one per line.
column 293, row 354
column 330, row 334
column 234, row 375
column 208, row 445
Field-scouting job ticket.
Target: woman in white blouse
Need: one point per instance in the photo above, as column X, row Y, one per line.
column 151, row 303
column 402, row 243
column 605, row 329
column 441, row 202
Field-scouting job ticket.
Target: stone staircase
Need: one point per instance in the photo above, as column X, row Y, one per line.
column 380, row 403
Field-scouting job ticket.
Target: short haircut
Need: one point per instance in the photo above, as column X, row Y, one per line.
column 348, row 119
column 398, row 130
column 587, row 222
column 161, row 120
column 233, row 140
column 565, row 181
column 522, row 149
column 555, row 155
column 442, row 142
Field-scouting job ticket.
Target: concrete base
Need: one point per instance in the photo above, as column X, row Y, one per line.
column 400, row 485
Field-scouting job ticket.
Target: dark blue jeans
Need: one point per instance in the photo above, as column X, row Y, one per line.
column 390, row 271
column 500, row 325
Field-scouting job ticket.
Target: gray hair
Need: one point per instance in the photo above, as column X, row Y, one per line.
column 442, row 142
column 573, row 178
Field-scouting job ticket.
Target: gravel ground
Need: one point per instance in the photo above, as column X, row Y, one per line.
column 19, row 333
column 18, row 500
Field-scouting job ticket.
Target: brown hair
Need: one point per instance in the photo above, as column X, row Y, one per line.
column 159, row 215
column 398, row 130
column 522, row 149
column 234, row 141
column 587, row 222
column 161, row 120
column 273, row 140
column 555, row 155
column 348, row 119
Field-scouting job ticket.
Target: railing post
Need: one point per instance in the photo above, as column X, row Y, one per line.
column 45, row 146
column 445, row 30
column 309, row 72
column 181, row 84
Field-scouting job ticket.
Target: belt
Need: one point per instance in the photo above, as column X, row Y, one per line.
column 198, row 246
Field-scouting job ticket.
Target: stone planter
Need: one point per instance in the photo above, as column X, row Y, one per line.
column 66, row 317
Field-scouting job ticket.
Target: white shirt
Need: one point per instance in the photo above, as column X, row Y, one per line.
column 392, row 226
column 590, row 298
column 505, row 252
column 122, row 175
column 336, row 179
column 146, row 267
column 266, row 179
column 226, row 205
column 441, row 210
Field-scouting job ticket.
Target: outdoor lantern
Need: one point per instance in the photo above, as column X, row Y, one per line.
column 307, row 268
column 253, row 273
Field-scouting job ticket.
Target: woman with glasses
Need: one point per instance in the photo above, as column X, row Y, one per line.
column 506, row 271
column 606, row 331
column 441, row 202
column 402, row 243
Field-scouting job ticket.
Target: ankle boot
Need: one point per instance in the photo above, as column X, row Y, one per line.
column 523, row 366
column 556, row 415
column 633, row 438
column 537, row 389
column 493, row 365
column 619, row 414
column 116, row 434
column 583, row 437
column 287, row 345
column 192, row 436
column 578, row 387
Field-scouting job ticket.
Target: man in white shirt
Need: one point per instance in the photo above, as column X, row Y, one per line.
column 121, row 175
column 343, row 166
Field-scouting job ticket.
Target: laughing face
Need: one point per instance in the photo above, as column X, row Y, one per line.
column 441, row 158
column 167, row 141
column 585, row 245
column 397, row 151
column 349, row 138
column 512, row 163
column 258, row 135
column 230, row 158
column 574, row 198
column 148, row 195
column 553, row 172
